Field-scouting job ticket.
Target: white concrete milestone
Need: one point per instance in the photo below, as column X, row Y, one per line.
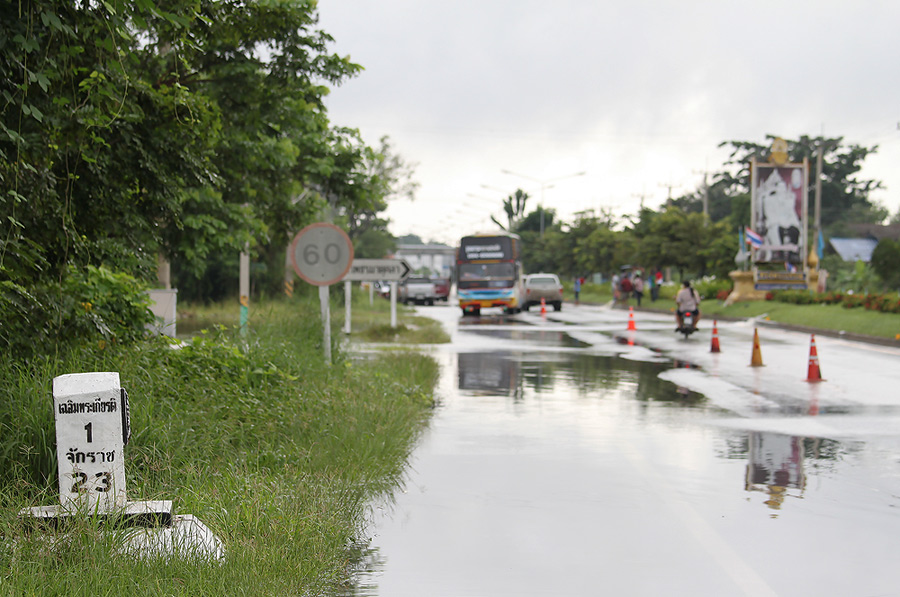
column 92, row 428
column 91, row 411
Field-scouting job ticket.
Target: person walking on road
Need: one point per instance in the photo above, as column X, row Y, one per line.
column 577, row 288
column 657, row 282
column 626, row 288
column 615, row 288
column 638, row 286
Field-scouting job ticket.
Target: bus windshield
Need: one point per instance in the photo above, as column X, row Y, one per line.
column 491, row 275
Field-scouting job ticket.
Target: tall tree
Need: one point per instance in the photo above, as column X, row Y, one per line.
column 532, row 221
column 514, row 207
column 266, row 67
column 189, row 126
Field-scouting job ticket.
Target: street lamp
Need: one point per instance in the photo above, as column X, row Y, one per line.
column 545, row 184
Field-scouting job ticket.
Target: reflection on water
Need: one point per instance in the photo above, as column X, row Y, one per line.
column 510, row 374
column 775, row 467
column 489, row 374
column 777, row 463
column 498, row 318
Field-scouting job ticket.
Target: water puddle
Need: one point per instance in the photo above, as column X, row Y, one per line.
column 530, row 335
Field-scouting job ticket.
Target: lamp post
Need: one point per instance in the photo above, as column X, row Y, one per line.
column 545, row 184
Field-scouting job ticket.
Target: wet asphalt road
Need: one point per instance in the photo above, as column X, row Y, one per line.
column 571, row 456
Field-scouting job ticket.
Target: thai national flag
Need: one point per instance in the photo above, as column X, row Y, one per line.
column 790, row 267
column 753, row 238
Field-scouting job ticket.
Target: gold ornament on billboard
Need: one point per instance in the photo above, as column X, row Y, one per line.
column 779, row 155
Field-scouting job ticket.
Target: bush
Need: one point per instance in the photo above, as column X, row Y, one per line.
column 796, row 297
column 90, row 305
column 713, row 286
column 852, row 301
column 883, row 303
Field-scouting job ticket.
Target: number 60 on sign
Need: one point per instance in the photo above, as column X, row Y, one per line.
column 322, row 254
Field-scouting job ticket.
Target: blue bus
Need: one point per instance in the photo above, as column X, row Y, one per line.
column 489, row 273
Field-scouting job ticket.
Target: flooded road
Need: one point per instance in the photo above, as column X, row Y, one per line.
column 563, row 460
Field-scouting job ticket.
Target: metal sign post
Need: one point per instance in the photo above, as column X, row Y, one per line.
column 348, row 296
column 322, row 255
column 393, row 304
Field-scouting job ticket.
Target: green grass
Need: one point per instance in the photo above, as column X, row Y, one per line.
column 277, row 452
column 827, row 317
column 369, row 322
column 590, row 293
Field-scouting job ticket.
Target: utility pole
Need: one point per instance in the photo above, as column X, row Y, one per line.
column 705, row 191
column 642, row 195
column 669, row 186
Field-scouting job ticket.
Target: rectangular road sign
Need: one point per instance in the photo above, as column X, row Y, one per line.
column 373, row 270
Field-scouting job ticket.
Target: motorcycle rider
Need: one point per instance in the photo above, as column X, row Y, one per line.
column 688, row 301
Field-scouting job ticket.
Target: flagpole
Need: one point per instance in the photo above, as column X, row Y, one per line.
column 805, row 215
column 752, row 208
column 818, row 201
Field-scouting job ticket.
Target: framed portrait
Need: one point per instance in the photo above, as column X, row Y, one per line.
column 779, row 213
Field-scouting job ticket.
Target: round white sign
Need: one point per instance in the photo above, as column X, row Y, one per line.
column 322, row 254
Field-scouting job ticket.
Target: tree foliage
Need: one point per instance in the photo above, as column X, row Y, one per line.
column 886, row 262
column 187, row 127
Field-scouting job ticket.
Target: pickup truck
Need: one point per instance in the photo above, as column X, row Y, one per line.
column 418, row 290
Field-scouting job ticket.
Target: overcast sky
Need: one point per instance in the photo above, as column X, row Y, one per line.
column 638, row 95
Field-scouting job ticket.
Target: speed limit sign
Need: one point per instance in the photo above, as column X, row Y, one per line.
column 322, row 254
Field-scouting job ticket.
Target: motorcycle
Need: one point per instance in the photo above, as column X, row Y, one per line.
column 688, row 325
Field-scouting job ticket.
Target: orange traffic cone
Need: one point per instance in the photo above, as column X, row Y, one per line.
column 814, row 374
column 543, row 306
column 631, row 326
column 714, row 347
column 756, row 359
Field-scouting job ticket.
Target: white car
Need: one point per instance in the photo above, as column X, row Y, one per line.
column 543, row 286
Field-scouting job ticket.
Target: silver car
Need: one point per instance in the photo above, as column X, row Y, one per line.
column 543, row 286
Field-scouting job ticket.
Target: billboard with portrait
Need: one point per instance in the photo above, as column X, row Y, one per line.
column 778, row 199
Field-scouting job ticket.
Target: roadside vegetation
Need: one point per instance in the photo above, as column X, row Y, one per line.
column 369, row 321
column 277, row 452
